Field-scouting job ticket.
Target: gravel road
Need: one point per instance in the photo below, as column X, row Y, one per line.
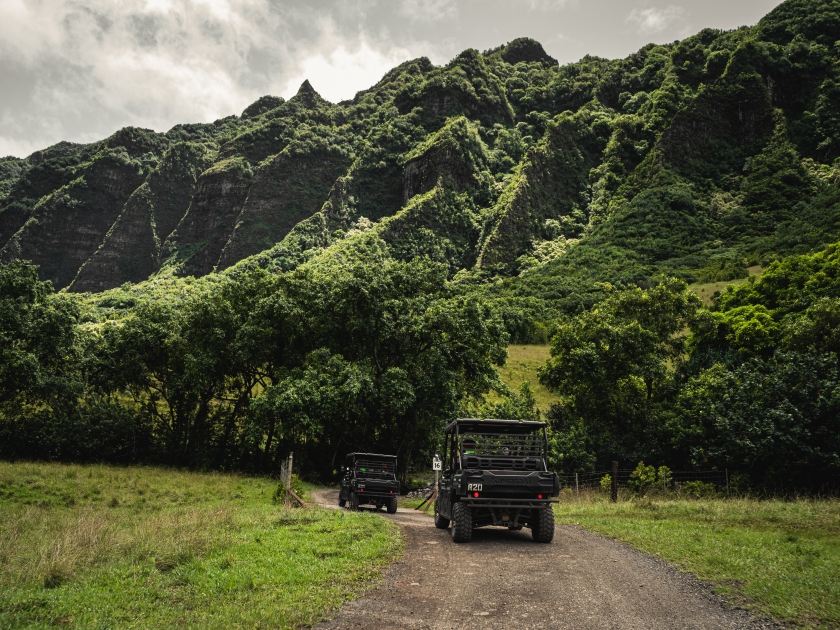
column 502, row 579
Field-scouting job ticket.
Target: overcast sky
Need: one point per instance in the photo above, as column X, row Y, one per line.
column 80, row 69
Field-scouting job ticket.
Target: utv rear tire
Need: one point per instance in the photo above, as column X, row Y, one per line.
column 542, row 529
column 342, row 502
column 392, row 505
column 462, row 523
column 354, row 502
column 441, row 522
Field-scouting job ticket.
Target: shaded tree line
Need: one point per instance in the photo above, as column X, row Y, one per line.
column 354, row 351
column 751, row 384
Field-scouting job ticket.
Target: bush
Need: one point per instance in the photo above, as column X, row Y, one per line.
column 642, row 479
column 663, row 477
column 606, row 483
column 280, row 492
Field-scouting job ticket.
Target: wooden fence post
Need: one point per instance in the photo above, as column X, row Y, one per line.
column 614, row 497
column 577, row 488
column 288, row 480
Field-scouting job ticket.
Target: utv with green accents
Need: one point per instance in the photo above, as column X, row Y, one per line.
column 494, row 473
column 369, row 479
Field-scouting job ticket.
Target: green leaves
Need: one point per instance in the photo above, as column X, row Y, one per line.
column 776, row 418
column 614, row 365
column 37, row 337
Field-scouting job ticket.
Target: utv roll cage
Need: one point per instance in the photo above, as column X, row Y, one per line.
column 490, row 444
column 372, row 465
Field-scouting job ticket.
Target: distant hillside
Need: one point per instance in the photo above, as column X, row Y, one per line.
column 695, row 159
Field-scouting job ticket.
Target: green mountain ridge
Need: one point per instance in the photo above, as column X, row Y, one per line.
column 694, row 159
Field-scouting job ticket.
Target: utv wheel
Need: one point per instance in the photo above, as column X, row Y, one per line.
column 342, row 502
column 391, row 506
column 462, row 523
column 354, row 501
column 542, row 529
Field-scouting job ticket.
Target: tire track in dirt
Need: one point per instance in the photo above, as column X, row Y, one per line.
column 503, row 579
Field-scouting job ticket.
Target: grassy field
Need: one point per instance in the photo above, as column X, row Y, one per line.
column 521, row 366
column 706, row 291
column 780, row 558
column 106, row 547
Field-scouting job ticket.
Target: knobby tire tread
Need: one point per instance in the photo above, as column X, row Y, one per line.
column 543, row 529
column 462, row 523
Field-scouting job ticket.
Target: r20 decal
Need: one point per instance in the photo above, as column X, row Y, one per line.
column 474, row 486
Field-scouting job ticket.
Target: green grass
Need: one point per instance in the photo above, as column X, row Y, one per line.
column 410, row 503
column 106, row 547
column 522, row 365
column 780, row 558
column 707, row 291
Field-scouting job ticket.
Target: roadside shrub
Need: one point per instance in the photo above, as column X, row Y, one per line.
column 606, row 483
column 642, row 479
column 280, row 492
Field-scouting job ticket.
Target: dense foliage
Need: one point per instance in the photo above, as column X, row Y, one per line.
column 349, row 352
column 751, row 385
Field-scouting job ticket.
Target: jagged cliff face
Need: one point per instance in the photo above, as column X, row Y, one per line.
column 680, row 159
column 131, row 250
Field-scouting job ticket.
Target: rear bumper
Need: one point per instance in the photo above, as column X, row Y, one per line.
column 507, row 503
column 375, row 494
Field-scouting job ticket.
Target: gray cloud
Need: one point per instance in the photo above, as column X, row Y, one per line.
column 651, row 20
column 80, row 69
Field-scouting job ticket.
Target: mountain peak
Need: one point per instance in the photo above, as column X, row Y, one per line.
column 307, row 96
column 526, row 49
column 306, row 88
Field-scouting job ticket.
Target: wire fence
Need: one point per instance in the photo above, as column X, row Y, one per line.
column 672, row 482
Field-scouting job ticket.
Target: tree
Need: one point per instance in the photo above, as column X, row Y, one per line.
column 613, row 367
column 776, row 419
column 37, row 337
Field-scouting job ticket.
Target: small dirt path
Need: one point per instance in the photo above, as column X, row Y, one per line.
column 502, row 579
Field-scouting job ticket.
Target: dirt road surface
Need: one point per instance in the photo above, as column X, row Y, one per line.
column 502, row 579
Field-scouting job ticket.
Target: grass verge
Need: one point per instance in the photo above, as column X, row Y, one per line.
column 98, row 546
column 780, row 558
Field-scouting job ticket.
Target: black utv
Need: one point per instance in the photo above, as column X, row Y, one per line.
column 494, row 473
column 369, row 479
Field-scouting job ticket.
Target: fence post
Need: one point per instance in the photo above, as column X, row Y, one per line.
column 727, row 482
column 288, row 479
column 614, row 497
column 577, row 488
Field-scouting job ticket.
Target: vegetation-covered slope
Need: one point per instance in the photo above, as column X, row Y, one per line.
column 693, row 159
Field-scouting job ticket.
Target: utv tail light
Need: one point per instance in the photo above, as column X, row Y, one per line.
column 391, row 491
column 539, row 496
column 475, row 495
column 361, row 489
